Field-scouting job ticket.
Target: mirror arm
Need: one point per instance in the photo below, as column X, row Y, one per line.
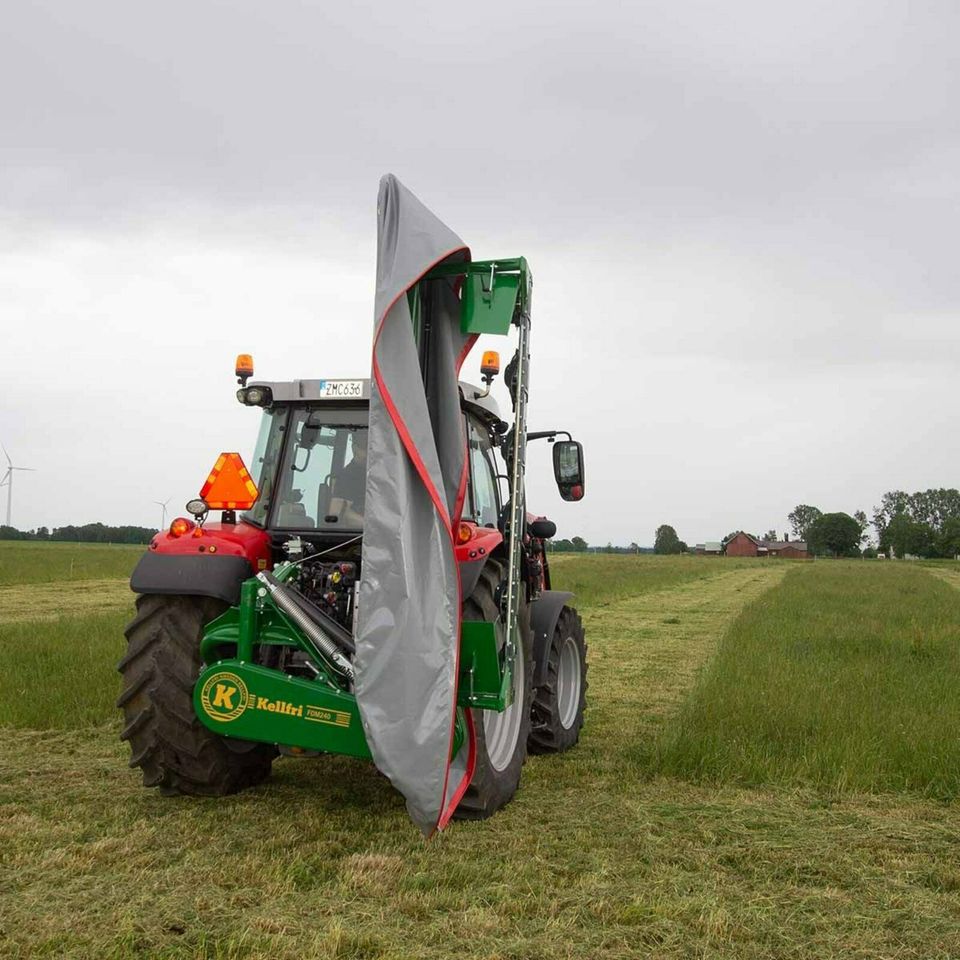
column 550, row 435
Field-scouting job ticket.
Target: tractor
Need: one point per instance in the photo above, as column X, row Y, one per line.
column 323, row 614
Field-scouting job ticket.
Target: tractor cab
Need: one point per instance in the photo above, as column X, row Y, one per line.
column 310, row 458
column 309, row 462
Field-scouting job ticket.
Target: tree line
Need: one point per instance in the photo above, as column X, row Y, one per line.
column 921, row 524
column 86, row 533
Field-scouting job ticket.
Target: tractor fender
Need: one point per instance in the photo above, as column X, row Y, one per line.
column 544, row 614
column 469, row 575
column 191, row 575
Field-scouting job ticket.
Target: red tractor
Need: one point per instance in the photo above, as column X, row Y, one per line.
column 316, row 616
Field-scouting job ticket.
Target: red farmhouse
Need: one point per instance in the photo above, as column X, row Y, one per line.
column 743, row 545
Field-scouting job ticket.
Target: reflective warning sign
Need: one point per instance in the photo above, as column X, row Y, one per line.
column 229, row 486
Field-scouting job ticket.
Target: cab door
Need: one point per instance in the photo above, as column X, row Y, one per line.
column 483, row 497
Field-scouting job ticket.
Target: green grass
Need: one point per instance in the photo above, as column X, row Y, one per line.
column 847, row 677
column 594, row 858
column 32, row 562
column 61, row 674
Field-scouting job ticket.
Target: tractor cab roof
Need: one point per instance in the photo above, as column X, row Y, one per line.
column 358, row 392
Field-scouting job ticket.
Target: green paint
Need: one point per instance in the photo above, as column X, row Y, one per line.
column 236, row 697
column 485, row 684
column 251, row 702
column 492, row 292
column 489, row 306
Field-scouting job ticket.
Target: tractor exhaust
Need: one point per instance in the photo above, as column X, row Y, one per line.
column 282, row 597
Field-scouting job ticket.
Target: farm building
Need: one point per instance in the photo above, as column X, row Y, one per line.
column 710, row 548
column 745, row 545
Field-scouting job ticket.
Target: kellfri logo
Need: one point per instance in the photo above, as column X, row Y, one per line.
column 224, row 697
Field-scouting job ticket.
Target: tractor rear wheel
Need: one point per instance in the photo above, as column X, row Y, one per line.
column 501, row 737
column 558, row 704
column 173, row 749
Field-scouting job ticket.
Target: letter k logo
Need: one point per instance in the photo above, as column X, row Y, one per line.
column 223, row 698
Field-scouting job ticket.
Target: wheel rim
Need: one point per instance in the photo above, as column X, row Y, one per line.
column 501, row 730
column 568, row 683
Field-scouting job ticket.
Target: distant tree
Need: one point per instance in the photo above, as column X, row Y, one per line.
column 869, row 553
column 770, row 535
column 905, row 535
column 893, row 503
column 801, row 518
column 634, row 547
column 934, row 507
column 933, row 513
column 666, row 540
column 683, row 547
column 88, row 533
column 834, row 534
column 862, row 520
column 948, row 541
column 560, row 546
column 580, row 545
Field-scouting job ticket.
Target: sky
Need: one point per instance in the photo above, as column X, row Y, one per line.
column 742, row 221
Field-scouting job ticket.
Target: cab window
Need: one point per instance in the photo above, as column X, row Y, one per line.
column 323, row 474
column 483, row 502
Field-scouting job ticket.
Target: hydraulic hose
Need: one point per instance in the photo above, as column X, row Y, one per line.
column 280, row 594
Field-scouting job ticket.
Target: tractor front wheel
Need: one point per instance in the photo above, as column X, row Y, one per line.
column 559, row 703
column 167, row 742
column 501, row 737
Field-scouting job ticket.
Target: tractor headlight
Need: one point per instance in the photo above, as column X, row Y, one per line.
column 197, row 507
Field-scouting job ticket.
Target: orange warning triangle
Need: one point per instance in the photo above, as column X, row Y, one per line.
column 229, row 486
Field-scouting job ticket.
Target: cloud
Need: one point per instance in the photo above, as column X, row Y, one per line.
column 741, row 219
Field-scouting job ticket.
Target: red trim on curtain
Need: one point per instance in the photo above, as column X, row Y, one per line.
column 446, row 809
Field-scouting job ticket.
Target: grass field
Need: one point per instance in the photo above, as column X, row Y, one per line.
column 599, row 855
column 846, row 676
column 26, row 562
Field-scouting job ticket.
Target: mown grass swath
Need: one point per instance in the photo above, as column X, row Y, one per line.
column 847, row 676
column 598, row 578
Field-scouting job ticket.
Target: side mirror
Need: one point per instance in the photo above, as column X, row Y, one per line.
column 568, row 468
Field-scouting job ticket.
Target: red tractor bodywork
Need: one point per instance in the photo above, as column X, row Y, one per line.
column 249, row 541
column 219, row 539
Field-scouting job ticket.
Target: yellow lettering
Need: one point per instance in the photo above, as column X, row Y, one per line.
column 223, row 697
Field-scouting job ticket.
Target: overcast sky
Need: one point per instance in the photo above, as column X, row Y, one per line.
column 742, row 220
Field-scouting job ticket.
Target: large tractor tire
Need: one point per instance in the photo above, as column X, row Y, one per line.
column 501, row 736
column 173, row 749
column 558, row 704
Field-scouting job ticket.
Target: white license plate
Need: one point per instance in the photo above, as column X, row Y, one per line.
column 341, row 389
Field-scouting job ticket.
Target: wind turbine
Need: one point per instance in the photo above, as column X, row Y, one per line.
column 162, row 504
column 7, row 481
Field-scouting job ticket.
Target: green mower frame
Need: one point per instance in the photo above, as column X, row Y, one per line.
column 237, row 697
